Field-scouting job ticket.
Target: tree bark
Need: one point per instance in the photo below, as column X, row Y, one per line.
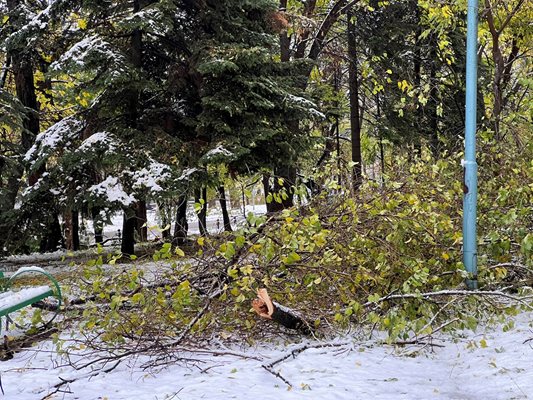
column 200, row 196
column 129, row 224
column 52, row 238
column 97, row 225
column 223, row 205
column 433, row 102
column 268, row 309
column 141, row 219
column 181, row 227
column 75, row 230
column 353, row 83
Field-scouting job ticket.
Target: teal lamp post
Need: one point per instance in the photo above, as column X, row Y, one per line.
column 469, row 162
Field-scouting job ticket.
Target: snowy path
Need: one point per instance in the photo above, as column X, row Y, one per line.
column 503, row 370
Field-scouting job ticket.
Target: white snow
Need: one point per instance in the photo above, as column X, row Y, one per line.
column 366, row 370
column 11, row 298
column 89, row 48
column 30, row 269
column 99, row 139
column 151, row 177
column 112, row 191
column 186, row 174
column 58, row 134
column 150, row 20
column 218, row 151
column 309, row 105
column 37, row 22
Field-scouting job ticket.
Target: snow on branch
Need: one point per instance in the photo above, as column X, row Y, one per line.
column 91, row 49
column 149, row 20
column 151, row 177
column 27, row 34
column 98, row 141
column 111, row 191
column 219, row 153
column 58, row 135
column 304, row 104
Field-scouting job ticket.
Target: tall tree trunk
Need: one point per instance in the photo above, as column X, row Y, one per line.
column 72, row 225
column 200, row 196
column 353, row 84
column 223, row 205
column 268, row 191
column 98, row 225
column 165, row 212
column 284, row 182
column 181, row 227
column 129, row 224
column 417, row 66
column 141, row 220
column 75, row 230
column 130, row 221
column 5, row 69
column 52, row 239
column 433, row 102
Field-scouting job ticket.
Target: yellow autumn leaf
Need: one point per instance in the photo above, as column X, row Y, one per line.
column 82, row 23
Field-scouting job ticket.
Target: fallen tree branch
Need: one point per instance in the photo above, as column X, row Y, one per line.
column 293, row 353
column 63, row 382
column 467, row 293
column 277, row 375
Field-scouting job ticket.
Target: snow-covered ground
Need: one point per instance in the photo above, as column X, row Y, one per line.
column 487, row 365
column 214, row 222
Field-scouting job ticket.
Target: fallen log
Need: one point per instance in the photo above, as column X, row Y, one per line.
column 268, row 309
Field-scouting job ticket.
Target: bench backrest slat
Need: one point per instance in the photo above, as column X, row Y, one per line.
column 11, row 301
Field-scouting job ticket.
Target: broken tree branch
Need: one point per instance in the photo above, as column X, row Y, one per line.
column 466, row 293
column 268, row 309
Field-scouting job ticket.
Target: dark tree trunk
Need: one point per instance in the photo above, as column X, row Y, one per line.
column 355, row 114
column 141, row 228
column 97, row 225
column 223, row 205
column 268, row 191
column 200, row 196
column 130, row 221
column 72, row 226
column 417, row 81
column 166, row 219
column 283, row 189
column 52, row 239
column 433, row 102
column 75, row 230
column 23, row 73
column 129, row 224
column 181, row 227
column 3, row 74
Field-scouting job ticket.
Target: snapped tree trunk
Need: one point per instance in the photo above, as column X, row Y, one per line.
column 268, row 309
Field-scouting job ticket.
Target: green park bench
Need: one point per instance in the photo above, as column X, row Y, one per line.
column 14, row 298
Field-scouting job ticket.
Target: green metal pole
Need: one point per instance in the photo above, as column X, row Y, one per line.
column 469, row 163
